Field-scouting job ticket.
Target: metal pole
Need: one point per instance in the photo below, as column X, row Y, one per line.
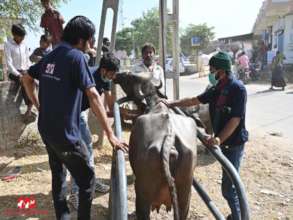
column 175, row 34
column 210, row 204
column 163, row 39
column 118, row 194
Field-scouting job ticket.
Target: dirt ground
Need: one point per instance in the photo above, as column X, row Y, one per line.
column 266, row 173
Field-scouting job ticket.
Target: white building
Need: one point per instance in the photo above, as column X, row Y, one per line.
column 274, row 25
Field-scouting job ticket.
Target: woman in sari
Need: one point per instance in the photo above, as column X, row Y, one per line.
column 277, row 71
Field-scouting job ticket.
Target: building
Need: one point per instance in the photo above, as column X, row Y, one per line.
column 274, row 26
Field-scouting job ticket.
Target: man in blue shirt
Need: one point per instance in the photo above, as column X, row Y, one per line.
column 63, row 78
column 227, row 105
column 103, row 76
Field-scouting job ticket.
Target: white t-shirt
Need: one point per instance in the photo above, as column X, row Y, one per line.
column 155, row 70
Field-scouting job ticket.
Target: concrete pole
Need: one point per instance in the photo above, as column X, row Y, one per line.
column 107, row 4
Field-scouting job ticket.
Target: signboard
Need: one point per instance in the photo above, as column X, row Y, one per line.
column 195, row 41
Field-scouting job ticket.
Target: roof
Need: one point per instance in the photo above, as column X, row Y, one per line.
column 242, row 37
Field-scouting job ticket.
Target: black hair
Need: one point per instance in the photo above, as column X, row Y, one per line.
column 110, row 62
column 45, row 38
column 105, row 40
column 18, row 30
column 147, row 45
column 79, row 27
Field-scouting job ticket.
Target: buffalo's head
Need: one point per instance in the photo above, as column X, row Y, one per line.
column 139, row 86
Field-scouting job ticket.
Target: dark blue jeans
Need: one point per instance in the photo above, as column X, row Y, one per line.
column 234, row 155
column 75, row 159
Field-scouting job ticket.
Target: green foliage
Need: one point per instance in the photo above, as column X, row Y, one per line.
column 146, row 29
column 124, row 39
column 202, row 30
column 142, row 30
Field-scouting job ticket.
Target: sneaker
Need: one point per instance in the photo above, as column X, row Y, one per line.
column 73, row 200
column 102, row 188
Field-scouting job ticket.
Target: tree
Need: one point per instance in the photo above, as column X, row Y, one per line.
column 142, row 30
column 124, row 39
column 205, row 33
column 28, row 11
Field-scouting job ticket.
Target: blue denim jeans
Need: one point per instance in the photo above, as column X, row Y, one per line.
column 234, row 155
column 86, row 138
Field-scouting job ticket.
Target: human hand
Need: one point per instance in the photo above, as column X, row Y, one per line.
column 118, row 144
column 212, row 141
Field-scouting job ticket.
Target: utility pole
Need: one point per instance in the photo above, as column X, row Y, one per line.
column 173, row 20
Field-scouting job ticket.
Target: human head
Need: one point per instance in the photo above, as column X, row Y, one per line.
column 45, row 41
column 46, row 4
column 18, row 33
column 148, row 52
column 220, row 65
column 106, row 41
column 78, row 32
column 109, row 65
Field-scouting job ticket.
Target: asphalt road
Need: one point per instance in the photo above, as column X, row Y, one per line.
column 267, row 111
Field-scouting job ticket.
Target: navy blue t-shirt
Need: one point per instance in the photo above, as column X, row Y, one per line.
column 63, row 75
column 101, row 86
column 229, row 100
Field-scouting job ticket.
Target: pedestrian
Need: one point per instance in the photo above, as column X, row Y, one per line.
column 149, row 65
column 243, row 62
column 103, row 76
column 278, row 79
column 227, row 106
column 52, row 21
column 44, row 49
column 17, row 60
column 106, row 45
column 64, row 77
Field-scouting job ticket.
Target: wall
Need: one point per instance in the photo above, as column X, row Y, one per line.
column 12, row 128
column 288, row 39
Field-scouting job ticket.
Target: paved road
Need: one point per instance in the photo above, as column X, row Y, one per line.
column 268, row 111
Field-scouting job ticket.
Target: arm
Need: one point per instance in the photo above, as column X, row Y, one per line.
column 34, row 57
column 30, row 88
column 100, row 112
column 185, row 102
column 110, row 102
column 228, row 129
column 9, row 61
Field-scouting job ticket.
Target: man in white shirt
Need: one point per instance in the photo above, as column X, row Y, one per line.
column 17, row 61
column 148, row 65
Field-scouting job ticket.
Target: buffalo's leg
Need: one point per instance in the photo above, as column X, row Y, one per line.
column 183, row 181
column 142, row 205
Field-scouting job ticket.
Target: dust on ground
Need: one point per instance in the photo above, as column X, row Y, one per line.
column 266, row 173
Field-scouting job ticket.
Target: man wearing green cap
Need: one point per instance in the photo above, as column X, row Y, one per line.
column 227, row 105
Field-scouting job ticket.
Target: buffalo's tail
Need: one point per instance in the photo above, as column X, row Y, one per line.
column 168, row 142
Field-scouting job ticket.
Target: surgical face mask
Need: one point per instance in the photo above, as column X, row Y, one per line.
column 212, row 79
column 105, row 79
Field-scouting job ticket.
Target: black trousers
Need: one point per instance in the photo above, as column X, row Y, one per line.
column 76, row 159
column 26, row 99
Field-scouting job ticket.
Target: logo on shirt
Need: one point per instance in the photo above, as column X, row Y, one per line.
column 50, row 68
